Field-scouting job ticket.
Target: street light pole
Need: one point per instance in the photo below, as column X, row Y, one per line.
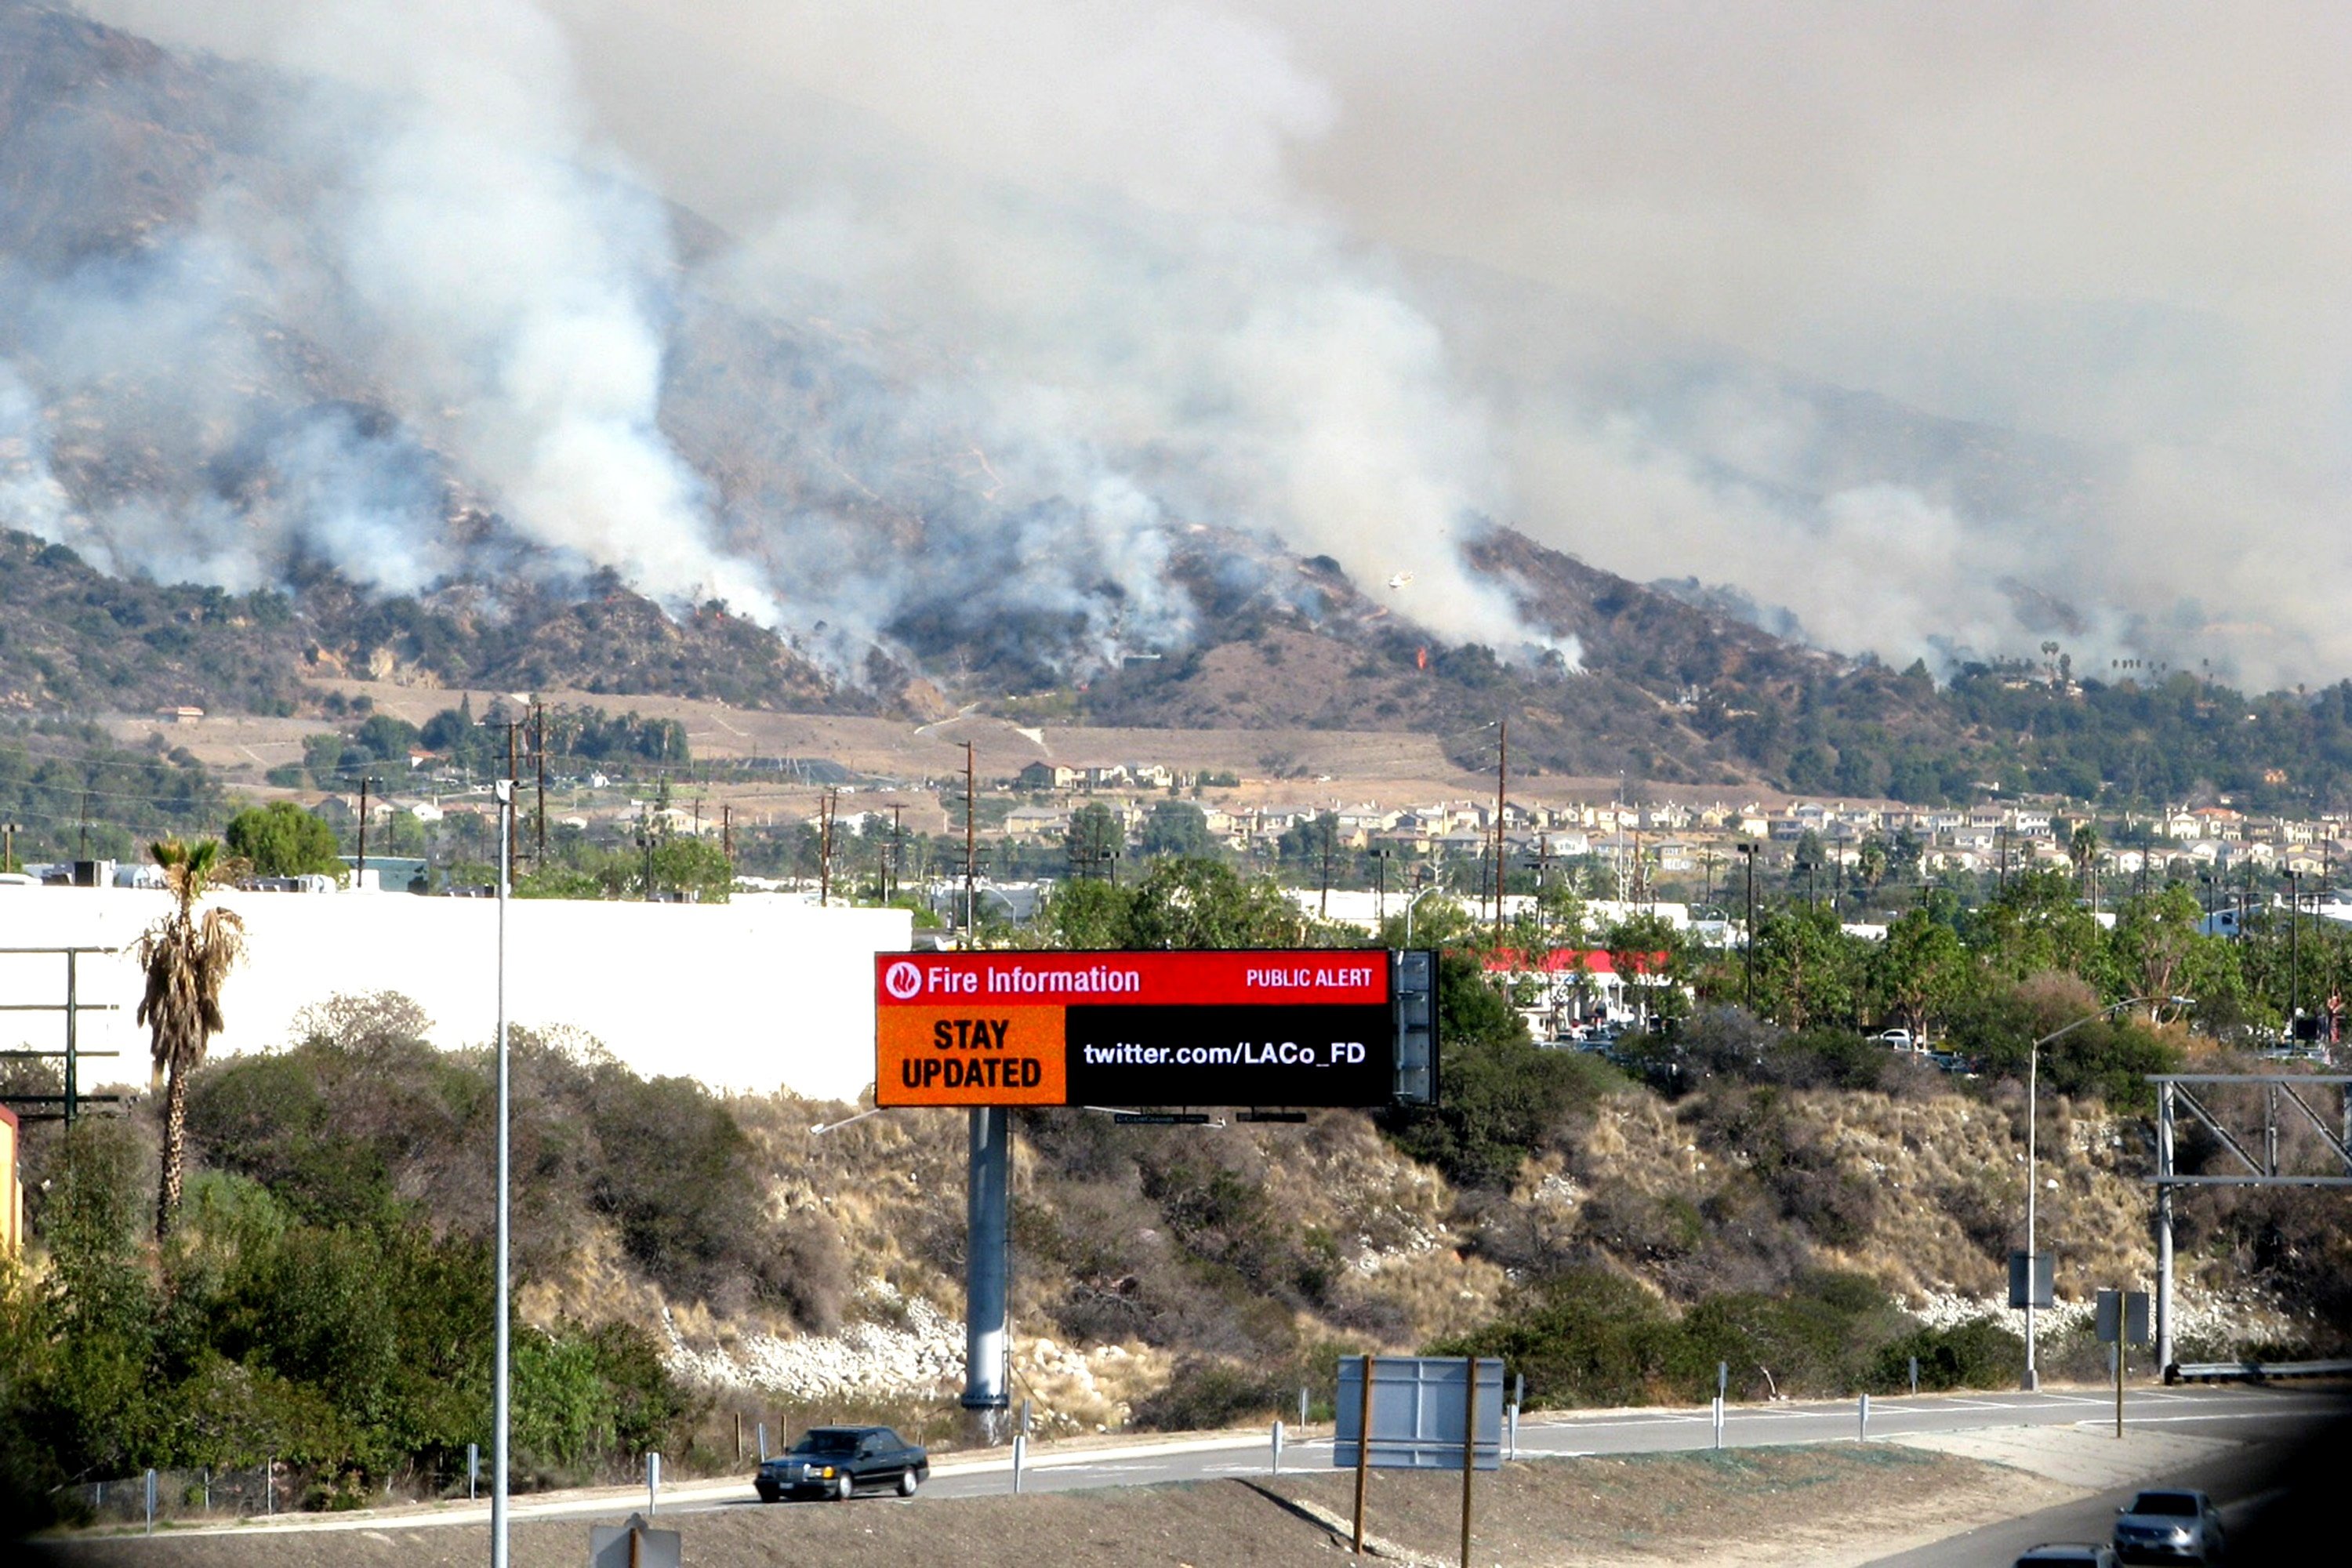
column 2293, row 952
column 1414, row 903
column 2032, row 1157
column 501, row 1369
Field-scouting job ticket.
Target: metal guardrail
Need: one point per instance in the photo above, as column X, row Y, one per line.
column 2253, row 1371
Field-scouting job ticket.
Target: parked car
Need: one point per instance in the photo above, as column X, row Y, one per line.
column 839, row 1461
column 2086, row 1554
column 1898, row 1039
column 2168, row 1527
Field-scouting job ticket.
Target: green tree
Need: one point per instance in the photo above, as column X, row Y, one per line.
column 1870, row 866
column 1311, row 845
column 1176, row 828
column 2033, row 925
column 2158, row 950
column 385, row 738
column 186, row 959
column 281, row 839
column 1919, row 971
column 1647, row 953
column 1094, row 841
column 1807, row 968
column 2083, row 852
column 1206, row 903
column 1083, row 913
column 1177, row 903
column 685, row 864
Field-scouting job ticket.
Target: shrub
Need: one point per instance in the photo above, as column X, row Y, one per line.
column 1502, row 1100
column 1203, row 1392
column 1591, row 1337
column 1978, row 1353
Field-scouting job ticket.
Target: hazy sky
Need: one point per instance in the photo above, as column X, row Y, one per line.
column 2120, row 219
column 2122, row 223
column 2126, row 218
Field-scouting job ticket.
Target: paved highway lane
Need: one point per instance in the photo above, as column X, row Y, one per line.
column 2237, row 1414
column 2245, row 1480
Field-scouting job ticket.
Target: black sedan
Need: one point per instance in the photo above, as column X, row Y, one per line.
column 840, row 1461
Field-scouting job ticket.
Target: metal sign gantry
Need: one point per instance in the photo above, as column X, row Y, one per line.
column 2280, row 1091
column 69, row 1105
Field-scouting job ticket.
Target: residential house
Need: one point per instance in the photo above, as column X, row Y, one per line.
column 2220, row 822
column 1036, row 823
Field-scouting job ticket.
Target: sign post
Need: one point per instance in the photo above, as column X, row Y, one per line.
column 2121, row 1318
column 1363, row 1449
column 1399, row 1413
column 634, row 1543
column 1469, row 1446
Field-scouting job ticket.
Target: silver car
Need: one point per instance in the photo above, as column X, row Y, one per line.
column 2168, row 1527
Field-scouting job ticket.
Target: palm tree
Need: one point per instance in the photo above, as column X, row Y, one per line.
column 186, row 959
column 1870, row 862
column 2082, row 848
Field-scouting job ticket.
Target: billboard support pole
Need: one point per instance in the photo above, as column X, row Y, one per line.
column 987, row 1265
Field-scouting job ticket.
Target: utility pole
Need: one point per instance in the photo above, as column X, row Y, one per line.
column 897, row 850
column 360, row 876
column 1748, row 945
column 1502, row 771
column 646, row 837
column 9, row 831
column 85, row 825
column 539, row 755
column 825, row 807
column 1329, row 833
column 970, row 842
column 726, row 834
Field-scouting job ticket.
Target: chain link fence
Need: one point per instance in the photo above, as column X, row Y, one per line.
column 158, row 1497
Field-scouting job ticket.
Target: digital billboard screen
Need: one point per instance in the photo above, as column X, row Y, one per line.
column 1306, row 1027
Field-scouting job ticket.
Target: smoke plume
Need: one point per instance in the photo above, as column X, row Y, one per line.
column 1936, row 337
column 1044, row 394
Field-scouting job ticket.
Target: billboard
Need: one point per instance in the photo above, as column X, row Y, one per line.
column 1308, row 1027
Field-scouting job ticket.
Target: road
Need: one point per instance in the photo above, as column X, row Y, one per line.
column 2241, row 1414
column 2264, row 1501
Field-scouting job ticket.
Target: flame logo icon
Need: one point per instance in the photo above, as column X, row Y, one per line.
column 902, row 979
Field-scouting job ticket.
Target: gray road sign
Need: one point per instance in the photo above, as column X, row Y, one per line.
column 1417, row 1412
column 2122, row 1313
column 2045, row 1277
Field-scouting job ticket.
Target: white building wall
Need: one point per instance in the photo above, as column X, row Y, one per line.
column 760, row 994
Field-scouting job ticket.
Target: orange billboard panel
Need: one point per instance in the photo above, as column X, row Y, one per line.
column 969, row 1053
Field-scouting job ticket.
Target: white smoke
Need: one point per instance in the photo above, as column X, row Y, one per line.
column 31, row 499
column 1164, row 338
column 1105, row 263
